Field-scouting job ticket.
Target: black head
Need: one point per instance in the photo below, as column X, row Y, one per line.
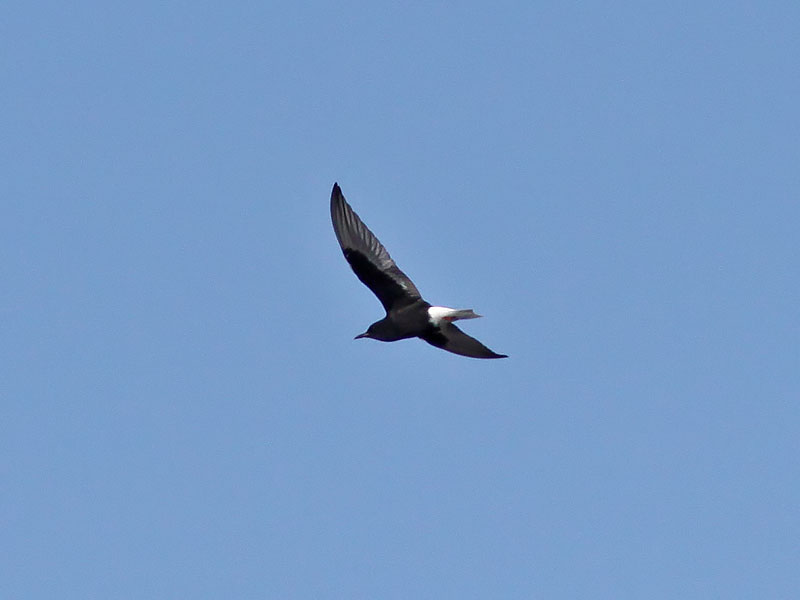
column 383, row 330
column 373, row 332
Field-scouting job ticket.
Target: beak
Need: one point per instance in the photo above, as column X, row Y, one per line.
column 361, row 335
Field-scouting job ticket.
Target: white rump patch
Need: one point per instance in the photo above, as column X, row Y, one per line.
column 437, row 314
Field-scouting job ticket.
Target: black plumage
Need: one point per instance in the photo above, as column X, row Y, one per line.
column 407, row 314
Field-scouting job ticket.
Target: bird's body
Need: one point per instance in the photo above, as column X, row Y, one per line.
column 406, row 322
column 407, row 314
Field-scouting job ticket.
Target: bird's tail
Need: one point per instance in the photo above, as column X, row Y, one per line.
column 463, row 313
column 443, row 313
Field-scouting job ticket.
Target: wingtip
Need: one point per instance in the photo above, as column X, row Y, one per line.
column 336, row 198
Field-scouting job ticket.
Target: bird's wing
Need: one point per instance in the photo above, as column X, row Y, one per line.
column 368, row 258
column 449, row 337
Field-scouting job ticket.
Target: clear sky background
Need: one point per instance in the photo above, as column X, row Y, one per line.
column 185, row 414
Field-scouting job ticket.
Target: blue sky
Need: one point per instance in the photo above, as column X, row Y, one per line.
column 184, row 411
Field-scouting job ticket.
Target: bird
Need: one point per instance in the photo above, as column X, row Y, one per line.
column 407, row 314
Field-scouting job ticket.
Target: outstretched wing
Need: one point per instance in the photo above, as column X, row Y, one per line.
column 449, row 337
column 368, row 258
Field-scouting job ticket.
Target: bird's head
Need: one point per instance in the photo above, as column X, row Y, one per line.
column 369, row 333
column 383, row 330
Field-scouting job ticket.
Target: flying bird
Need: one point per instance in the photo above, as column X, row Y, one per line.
column 407, row 314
